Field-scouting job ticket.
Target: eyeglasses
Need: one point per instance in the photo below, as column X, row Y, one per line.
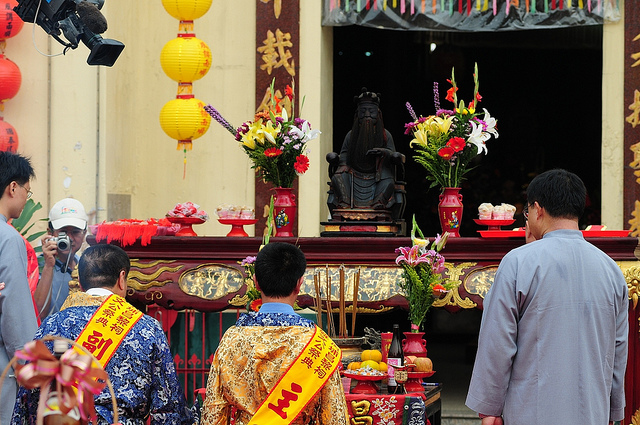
column 73, row 232
column 525, row 212
column 29, row 193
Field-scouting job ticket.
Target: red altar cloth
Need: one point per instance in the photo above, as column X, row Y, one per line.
column 387, row 409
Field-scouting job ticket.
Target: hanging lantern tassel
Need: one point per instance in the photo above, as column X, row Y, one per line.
column 186, row 145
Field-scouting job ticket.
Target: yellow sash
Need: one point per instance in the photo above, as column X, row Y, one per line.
column 108, row 326
column 301, row 382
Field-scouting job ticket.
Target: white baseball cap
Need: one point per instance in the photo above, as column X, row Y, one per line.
column 68, row 212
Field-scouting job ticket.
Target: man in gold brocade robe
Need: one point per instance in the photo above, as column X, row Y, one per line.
column 263, row 349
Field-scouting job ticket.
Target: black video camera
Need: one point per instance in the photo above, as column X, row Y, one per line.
column 76, row 22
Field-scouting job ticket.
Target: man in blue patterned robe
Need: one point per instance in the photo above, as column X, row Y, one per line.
column 141, row 370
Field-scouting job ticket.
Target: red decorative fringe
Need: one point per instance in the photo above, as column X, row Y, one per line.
column 128, row 231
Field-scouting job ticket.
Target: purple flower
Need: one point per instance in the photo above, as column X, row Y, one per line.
column 411, row 112
column 412, row 256
column 248, row 260
column 436, row 96
column 408, row 127
column 218, row 117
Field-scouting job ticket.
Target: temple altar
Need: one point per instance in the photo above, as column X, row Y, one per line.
column 204, row 274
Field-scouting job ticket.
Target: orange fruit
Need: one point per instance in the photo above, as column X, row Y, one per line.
column 382, row 367
column 372, row 364
column 374, row 355
column 353, row 366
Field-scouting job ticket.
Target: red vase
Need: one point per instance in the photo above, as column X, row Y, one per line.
column 414, row 344
column 284, row 211
column 450, row 210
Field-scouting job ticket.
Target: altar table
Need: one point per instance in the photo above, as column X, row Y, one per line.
column 396, row 409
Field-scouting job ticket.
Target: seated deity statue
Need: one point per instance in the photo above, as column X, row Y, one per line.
column 363, row 176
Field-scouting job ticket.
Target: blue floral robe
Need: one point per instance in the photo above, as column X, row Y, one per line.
column 141, row 371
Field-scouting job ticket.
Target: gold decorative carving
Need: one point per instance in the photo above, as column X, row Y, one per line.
column 635, row 419
column 453, row 272
column 376, row 283
column 349, row 309
column 479, row 281
column 74, row 283
column 211, row 281
column 239, row 301
column 632, row 276
column 153, row 295
column 141, row 281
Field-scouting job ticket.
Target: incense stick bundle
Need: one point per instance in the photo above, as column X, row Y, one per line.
column 330, row 326
column 316, row 284
column 356, row 284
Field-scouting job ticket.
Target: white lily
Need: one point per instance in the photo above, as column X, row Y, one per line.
column 477, row 137
column 305, row 134
column 285, row 116
column 491, row 123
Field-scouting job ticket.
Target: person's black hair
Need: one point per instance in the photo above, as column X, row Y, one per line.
column 560, row 192
column 100, row 266
column 278, row 268
column 14, row 167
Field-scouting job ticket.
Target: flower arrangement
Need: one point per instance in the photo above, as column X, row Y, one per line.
column 422, row 267
column 446, row 142
column 253, row 295
column 275, row 140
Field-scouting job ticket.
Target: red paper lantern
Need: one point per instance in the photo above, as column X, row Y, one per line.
column 8, row 137
column 10, row 22
column 10, row 79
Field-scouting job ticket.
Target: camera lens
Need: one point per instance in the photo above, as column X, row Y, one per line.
column 63, row 244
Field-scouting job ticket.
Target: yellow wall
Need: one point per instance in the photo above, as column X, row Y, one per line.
column 94, row 131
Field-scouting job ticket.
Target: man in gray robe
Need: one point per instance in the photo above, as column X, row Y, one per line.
column 552, row 347
column 18, row 322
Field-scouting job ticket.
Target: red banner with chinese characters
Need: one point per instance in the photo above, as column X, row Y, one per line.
column 388, row 409
column 277, row 56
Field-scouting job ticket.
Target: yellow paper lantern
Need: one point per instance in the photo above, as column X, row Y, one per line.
column 185, row 59
column 184, row 119
column 186, row 10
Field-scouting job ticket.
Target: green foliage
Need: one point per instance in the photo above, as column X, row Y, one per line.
column 21, row 224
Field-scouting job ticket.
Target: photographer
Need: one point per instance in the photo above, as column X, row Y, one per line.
column 65, row 236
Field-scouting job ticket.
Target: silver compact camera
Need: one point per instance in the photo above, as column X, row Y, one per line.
column 62, row 241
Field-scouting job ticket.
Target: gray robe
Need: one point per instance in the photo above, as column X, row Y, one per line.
column 18, row 322
column 552, row 347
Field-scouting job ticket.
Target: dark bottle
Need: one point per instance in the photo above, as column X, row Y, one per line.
column 52, row 414
column 394, row 358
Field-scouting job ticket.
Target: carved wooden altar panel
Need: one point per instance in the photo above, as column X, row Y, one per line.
column 204, row 273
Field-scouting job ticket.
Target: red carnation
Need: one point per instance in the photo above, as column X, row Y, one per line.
column 272, row 152
column 456, row 143
column 302, row 164
column 446, row 152
column 255, row 305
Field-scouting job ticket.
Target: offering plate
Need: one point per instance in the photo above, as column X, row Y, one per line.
column 366, row 383
column 237, row 229
column 186, row 224
column 494, row 224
